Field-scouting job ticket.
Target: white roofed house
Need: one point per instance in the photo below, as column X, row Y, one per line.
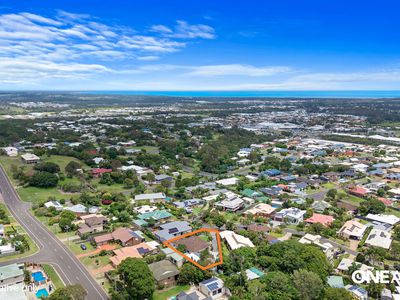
column 30, row 158
column 232, row 202
column 10, row 151
column 379, row 238
column 57, row 205
column 290, row 215
column 352, row 230
column 213, row 288
column 154, row 197
column 235, row 240
column 326, row 247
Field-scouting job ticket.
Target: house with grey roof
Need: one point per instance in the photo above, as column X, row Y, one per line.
column 165, row 272
column 172, row 229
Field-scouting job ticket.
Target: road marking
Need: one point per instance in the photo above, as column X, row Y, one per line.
column 49, row 234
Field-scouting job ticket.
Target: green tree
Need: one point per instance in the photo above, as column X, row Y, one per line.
column 43, row 179
column 69, row 292
column 337, row 294
column 190, row 274
column 136, row 281
column 71, row 168
column 47, row 167
column 308, row 284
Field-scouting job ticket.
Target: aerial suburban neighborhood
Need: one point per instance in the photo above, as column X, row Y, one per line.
column 193, row 206
column 199, row 150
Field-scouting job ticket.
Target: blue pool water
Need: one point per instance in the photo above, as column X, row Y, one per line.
column 38, row 276
column 42, row 293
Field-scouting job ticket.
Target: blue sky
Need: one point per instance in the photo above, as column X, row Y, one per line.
column 199, row 45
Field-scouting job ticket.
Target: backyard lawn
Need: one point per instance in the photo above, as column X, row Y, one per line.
column 164, row 295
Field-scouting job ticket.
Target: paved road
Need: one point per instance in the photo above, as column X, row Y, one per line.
column 52, row 250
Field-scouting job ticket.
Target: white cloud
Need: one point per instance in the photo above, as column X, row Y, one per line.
column 238, row 69
column 184, row 30
column 50, row 46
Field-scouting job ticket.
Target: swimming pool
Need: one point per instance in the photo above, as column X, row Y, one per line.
column 42, row 293
column 38, row 276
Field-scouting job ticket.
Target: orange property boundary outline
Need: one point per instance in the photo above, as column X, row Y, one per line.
column 168, row 244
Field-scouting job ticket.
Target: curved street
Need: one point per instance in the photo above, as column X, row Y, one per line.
column 51, row 249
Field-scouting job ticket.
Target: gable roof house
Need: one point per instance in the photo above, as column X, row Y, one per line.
column 213, row 287
column 165, row 272
column 91, row 225
column 125, row 236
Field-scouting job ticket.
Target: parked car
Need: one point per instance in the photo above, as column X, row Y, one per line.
column 83, row 247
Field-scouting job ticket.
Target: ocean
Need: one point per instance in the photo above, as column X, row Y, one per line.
column 266, row 94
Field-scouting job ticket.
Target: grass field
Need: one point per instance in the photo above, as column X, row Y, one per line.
column 34, row 194
column 49, row 270
column 164, row 295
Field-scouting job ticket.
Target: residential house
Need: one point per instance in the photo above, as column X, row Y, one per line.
column 261, row 210
column 389, row 220
column 379, row 238
column 11, row 274
column 213, row 288
column 78, row 209
column 154, row 197
column 235, row 240
column 272, row 191
column 259, row 228
column 57, row 205
column 325, row 220
column 326, row 247
column 136, row 251
column 174, row 257
column 98, row 172
column 290, row 215
column 92, row 224
column 335, row 282
column 164, row 272
column 231, row 202
column 193, row 244
column 320, row 206
column 161, row 177
column 228, row 181
column 353, row 230
column 358, row 292
column 30, row 158
column 172, row 229
column 10, row 151
column 125, row 236
column 359, row 191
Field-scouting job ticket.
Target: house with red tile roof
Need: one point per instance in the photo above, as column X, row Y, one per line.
column 97, row 172
column 359, row 191
column 319, row 218
column 385, row 201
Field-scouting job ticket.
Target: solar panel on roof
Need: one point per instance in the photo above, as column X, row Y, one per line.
column 173, row 230
column 212, row 286
column 208, row 281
